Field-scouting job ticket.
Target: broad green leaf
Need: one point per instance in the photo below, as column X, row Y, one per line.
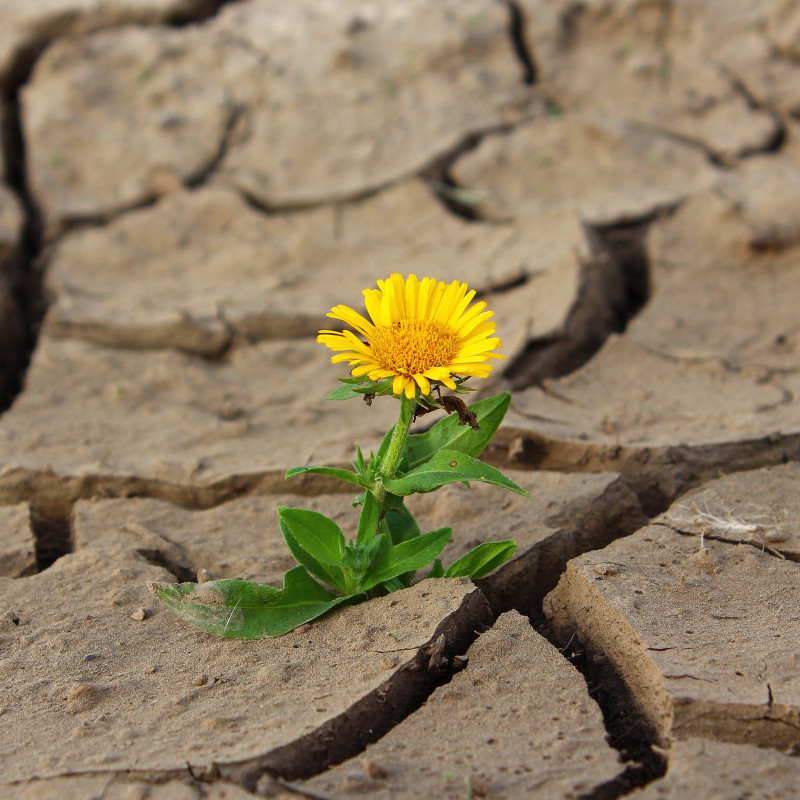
column 368, row 521
column 343, row 474
column 407, row 557
column 246, row 610
column 437, row 570
column 394, row 585
column 307, row 529
column 449, row 466
column 481, row 560
column 447, row 434
column 318, row 535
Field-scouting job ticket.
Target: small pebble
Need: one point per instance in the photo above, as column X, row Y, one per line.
column 82, row 697
column 200, row 680
column 203, row 576
column 90, row 657
column 374, row 770
column 605, row 570
column 139, row 615
column 388, row 662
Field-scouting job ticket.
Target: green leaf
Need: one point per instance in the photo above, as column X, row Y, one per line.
column 359, row 463
column 358, row 387
column 318, row 535
column 400, row 521
column 447, row 434
column 449, row 466
column 437, row 570
column 343, row 474
column 246, row 610
column 368, row 521
column 375, row 463
column 481, row 560
column 343, row 393
column 394, row 585
column 316, row 543
column 407, row 557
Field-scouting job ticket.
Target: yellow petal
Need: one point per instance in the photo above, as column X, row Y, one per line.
column 372, row 301
column 423, row 383
column 423, row 298
column 412, row 287
column 396, row 289
column 461, row 306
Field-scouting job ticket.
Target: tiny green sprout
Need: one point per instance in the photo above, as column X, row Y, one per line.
column 422, row 336
column 143, row 75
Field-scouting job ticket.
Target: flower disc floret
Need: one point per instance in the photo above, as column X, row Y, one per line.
column 418, row 333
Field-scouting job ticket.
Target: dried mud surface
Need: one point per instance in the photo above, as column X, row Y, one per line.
column 188, row 186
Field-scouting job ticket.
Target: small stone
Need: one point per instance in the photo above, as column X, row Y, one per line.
column 82, row 697
column 388, row 662
column 203, row 576
column 374, row 770
column 303, row 628
column 605, row 570
column 139, row 615
column 90, row 657
column 200, row 680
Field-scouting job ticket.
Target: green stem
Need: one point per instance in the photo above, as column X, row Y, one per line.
column 394, row 452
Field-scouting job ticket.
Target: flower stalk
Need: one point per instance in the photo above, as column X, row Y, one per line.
column 394, row 453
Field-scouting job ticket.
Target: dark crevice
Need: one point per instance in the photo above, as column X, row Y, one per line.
column 27, row 274
column 628, row 729
column 205, row 172
column 379, row 711
column 158, row 558
column 614, row 287
column 456, row 199
column 778, row 139
column 191, row 12
column 522, row 48
column 194, row 181
column 592, row 524
column 655, row 474
column 506, row 285
column 52, row 534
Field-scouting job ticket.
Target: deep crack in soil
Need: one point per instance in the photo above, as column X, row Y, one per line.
column 29, row 277
column 614, row 287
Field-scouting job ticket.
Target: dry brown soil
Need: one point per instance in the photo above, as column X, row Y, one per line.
column 187, row 186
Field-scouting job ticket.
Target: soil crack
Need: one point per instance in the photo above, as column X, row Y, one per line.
column 28, row 277
column 521, row 44
column 614, row 287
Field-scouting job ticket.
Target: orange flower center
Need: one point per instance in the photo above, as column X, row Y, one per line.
column 412, row 346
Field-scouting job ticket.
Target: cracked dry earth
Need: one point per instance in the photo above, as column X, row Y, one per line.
column 189, row 185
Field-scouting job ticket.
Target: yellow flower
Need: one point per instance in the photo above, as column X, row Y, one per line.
column 420, row 332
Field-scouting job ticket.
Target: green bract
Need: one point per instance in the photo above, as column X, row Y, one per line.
column 387, row 546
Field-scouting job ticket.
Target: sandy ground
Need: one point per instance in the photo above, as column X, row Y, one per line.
column 187, row 186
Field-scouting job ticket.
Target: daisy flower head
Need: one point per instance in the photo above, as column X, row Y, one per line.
column 420, row 333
